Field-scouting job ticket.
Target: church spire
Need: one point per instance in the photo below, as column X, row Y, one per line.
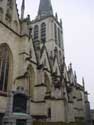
column 22, row 9
column 45, row 8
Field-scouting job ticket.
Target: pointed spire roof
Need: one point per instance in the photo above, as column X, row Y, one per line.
column 45, row 8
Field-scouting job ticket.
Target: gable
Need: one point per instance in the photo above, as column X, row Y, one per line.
column 29, row 49
column 15, row 18
column 56, row 67
column 10, row 15
column 66, row 73
column 44, row 59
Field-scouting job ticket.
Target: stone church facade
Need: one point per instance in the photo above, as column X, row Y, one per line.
column 35, row 83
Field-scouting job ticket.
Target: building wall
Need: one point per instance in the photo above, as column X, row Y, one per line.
column 51, row 90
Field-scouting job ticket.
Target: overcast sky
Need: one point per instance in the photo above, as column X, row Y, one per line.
column 78, row 25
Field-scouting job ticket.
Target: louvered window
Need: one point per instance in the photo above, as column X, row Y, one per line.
column 43, row 32
column 36, row 32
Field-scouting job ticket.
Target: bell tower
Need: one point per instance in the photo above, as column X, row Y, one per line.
column 47, row 29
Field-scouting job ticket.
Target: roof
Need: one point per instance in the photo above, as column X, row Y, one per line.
column 45, row 8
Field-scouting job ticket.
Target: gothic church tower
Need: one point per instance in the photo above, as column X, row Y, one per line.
column 46, row 29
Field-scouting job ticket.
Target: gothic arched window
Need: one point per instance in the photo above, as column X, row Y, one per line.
column 59, row 40
column 36, row 32
column 4, row 67
column 55, row 32
column 43, row 32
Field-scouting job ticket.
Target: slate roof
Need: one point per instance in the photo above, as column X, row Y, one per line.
column 45, row 8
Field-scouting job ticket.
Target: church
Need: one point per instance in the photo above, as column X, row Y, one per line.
column 35, row 82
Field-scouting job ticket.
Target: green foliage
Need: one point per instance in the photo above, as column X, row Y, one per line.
column 77, row 123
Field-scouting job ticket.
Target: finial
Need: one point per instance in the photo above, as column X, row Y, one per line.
column 75, row 77
column 61, row 22
column 83, row 82
column 56, row 16
column 22, row 9
column 28, row 17
column 70, row 66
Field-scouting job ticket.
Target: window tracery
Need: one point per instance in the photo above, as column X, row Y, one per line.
column 4, row 67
